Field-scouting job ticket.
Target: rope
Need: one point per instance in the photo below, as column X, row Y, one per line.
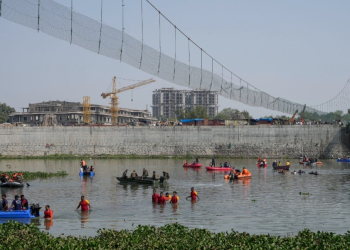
column 121, row 47
column 189, row 63
column 38, row 15
column 200, row 86
column 71, row 21
column 231, row 86
column 212, row 72
column 99, row 42
column 160, row 45
column 141, row 33
column 175, row 56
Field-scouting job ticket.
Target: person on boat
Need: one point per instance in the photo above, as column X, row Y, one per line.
column 19, row 177
column 175, row 198
column 213, row 162
column 193, row 195
column 85, row 168
column 279, row 163
column 197, row 159
column 25, row 203
column 245, row 171
column 84, row 204
column 274, row 163
column 194, row 163
column 221, row 165
column 259, row 159
column 155, row 176
column 166, row 175
column 144, row 173
column 225, row 164
column 288, row 164
column 3, row 178
column 161, row 199
column 133, row 175
column 92, row 168
column 155, row 196
column 14, row 176
column 16, row 203
column 185, row 163
column 82, row 163
column 167, row 196
column 4, row 203
column 48, row 214
column 125, row 174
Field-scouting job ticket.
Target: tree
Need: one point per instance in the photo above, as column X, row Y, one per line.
column 199, row 112
column 182, row 113
column 5, row 111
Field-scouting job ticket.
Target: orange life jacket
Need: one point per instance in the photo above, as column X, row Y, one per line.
column 245, row 171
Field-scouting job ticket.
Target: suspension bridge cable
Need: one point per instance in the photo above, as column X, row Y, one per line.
column 174, row 56
column 121, row 47
column 38, row 15
column 160, row 45
column 71, row 21
column 99, row 42
column 141, row 33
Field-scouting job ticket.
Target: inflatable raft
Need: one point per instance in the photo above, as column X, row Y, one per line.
column 261, row 166
column 92, row 173
column 197, row 165
column 20, row 213
column 218, row 168
column 242, row 176
column 12, row 184
column 343, row 160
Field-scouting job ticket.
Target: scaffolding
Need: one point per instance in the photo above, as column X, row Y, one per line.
column 86, row 110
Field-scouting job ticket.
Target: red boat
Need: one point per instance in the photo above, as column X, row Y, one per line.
column 261, row 166
column 218, row 168
column 197, row 165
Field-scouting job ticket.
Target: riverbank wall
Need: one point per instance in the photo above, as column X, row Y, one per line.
column 320, row 141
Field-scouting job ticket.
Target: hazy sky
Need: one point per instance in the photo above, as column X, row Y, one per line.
column 297, row 50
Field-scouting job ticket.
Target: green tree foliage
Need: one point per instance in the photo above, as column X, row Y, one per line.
column 328, row 117
column 5, row 111
column 198, row 112
column 229, row 114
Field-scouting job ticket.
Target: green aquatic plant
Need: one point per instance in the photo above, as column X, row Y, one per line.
column 34, row 175
column 15, row 235
column 301, row 193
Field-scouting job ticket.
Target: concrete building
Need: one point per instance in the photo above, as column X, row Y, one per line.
column 167, row 101
column 71, row 113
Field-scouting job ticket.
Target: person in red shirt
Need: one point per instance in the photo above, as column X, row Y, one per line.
column 84, row 204
column 48, row 214
column 155, row 196
column 175, row 198
column 161, row 199
column 193, row 195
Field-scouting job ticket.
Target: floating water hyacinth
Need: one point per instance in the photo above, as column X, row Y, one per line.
column 34, row 175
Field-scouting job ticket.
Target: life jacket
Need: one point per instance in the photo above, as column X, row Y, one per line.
column 185, row 163
column 193, row 195
column 48, row 214
column 174, row 199
column 167, row 197
column 83, row 163
column 20, row 174
column 245, row 171
column 84, row 205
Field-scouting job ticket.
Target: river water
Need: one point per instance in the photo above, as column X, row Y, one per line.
column 269, row 203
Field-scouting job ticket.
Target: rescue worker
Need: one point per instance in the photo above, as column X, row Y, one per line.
column 167, row 196
column 25, row 203
column 288, row 163
column 16, row 203
column 14, row 176
column 197, row 159
column 48, row 214
column 175, row 198
column 161, row 199
column 133, row 175
column 4, row 203
column 245, row 171
column 155, row 176
column 84, row 204
column 213, row 162
column 125, row 174
column 185, row 163
column 155, row 196
column 92, row 168
column 279, row 163
column 166, row 175
column 144, row 173
column 3, row 178
column 193, row 195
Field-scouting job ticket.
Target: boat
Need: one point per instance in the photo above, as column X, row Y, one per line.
column 303, row 162
column 147, row 180
column 261, row 166
column 312, row 164
column 281, row 167
column 219, row 168
column 12, row 184
column 197, row 165
column 318, row 162
column 92, row 173
column 32, row 212
column 343, row 160
column 242, row 176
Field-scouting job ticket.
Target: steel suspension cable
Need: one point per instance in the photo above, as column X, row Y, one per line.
column 141, row 33
column 160, row 45
column 99, row 42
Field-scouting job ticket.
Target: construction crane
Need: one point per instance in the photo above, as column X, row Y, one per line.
column 302, row 114
column 292, row 119
column 114, row 98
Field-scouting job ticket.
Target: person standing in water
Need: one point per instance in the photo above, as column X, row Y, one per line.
column 161, row 199
column 48, row 214
column 175, row 198
column 84, row 204
column 193, row 195
column 155, row 196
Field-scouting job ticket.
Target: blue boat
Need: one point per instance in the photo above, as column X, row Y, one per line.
column 343, row 160
column 17, row 214
column 92, row 173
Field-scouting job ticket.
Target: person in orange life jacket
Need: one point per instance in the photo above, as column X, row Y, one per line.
column 84, row 204
column 175, row 198
column 24, row 202
column 16, row 203
column 48, row 214
column 245, row 171
column 161, row 199
column 193, row 195
column 155, row 196
column 167, row 196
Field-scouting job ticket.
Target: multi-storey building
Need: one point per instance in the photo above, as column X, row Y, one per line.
column 71, row 113
column 167, row 101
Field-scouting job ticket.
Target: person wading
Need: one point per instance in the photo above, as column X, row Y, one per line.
column 84, row 204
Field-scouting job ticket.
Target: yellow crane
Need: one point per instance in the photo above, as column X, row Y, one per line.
column 292, row 119
column 114, row 98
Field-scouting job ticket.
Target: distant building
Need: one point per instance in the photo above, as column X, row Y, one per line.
column 167, row 101
column 71, row 113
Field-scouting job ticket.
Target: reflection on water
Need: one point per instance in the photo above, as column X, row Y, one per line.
column 269, row 202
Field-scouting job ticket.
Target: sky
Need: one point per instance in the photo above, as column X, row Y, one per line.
column 296, row 50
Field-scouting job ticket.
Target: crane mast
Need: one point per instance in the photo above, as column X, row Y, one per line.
column 114, row 97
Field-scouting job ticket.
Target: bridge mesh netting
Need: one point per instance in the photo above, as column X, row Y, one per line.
column 62, row 22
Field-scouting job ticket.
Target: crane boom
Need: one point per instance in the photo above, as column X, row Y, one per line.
column 114, row 97
column 302, row 114
column 292, row 119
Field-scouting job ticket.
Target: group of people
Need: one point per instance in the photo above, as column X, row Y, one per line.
column 21, row 203
column 135, row 176
column 161, row 199
column 84, row 168
column 196, row 161
column 275, row 164
column 262, row 162
column 18, row 177
column 235, row 172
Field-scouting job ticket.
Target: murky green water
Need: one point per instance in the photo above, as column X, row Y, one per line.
column 268, row 203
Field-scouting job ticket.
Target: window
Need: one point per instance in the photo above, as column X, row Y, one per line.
column 24, row 118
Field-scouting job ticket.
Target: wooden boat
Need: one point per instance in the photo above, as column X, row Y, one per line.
column 218, row 168
column 197, row 165
column 242, row 176
column 281, row 167
column 12, row 184
column 147, row 180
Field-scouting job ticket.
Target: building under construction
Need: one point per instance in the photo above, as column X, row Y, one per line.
column 53, row 113
column 167, row 101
